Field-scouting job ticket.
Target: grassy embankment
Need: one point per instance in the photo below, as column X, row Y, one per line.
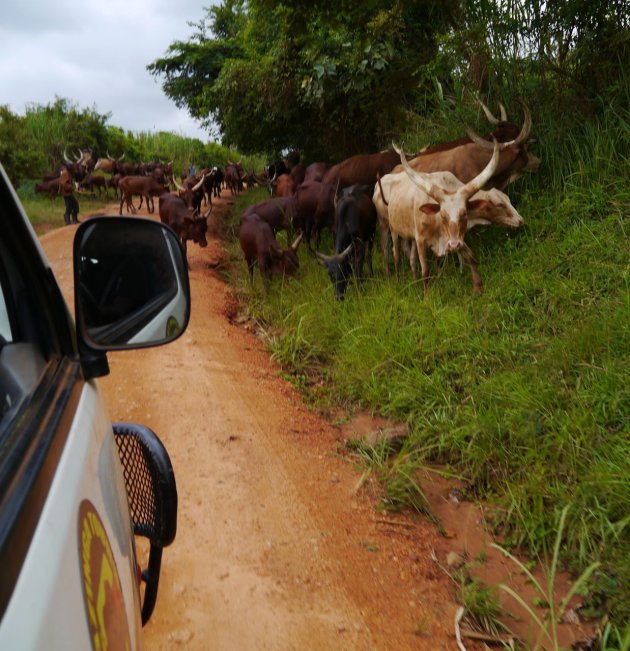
column 524, row 391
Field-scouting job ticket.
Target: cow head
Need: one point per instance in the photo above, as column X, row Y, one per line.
column 492, row 207
column 285, row 261
column 449, row 211
column 339, row 269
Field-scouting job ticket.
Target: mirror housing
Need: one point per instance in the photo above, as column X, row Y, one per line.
column 131, row 287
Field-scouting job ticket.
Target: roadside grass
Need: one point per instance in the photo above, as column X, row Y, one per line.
column 523, row 391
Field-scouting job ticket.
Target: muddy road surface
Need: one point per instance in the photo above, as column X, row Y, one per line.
column 279, row 545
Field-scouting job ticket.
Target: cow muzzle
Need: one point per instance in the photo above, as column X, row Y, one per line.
column 454, row 245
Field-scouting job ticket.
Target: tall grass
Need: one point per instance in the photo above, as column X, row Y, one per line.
column 524, row 391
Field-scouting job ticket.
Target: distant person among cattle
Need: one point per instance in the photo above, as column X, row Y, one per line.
column 66, row 189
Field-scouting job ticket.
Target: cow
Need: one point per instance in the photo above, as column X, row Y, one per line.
column 297, row 173
column 92, row 181
column 430, row 214
column 109, row 165
column 314, row 209
column 277, row 212
column 49, row 186
column 315, row 172
column 485, row 208
column 233, row 178
column 217, row 181
column 192, row 192
column 355, row 227
column 261, row 248
column 188, row 226
column 145, row 186
column 361, row 169
column 284, row 186
column 468, row 160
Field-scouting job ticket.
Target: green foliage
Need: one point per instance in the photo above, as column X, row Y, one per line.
column 19, row 155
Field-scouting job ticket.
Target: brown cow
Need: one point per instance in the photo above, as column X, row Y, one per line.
column 174, row 212
column 145, row 186
column 50, row 186
column 468, row 160
column 362, row 169
column 315, row 172
column 314, row 209
column 261, row 248
column 284, row 186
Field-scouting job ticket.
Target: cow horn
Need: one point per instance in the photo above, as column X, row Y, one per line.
column 110, row 158
column 65, row 156
column 121, row 158
column 493, row 121
column 80, row 156
column 207, row 213
column 504, row 116
column 198, row 185
column 181, row 188
column 484, row 176
column 433, row 190
column 522, row 136
column 296, row 243
column 332, row 259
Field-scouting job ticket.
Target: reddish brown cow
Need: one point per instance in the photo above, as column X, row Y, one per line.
column 277, row 212
column 144, row 186
column 315, row 172
column 174, row 212
column 314, row 209
column 261, row 248
column 50, row 186
column 362, row 169
column 92, row 181
column 284, row 186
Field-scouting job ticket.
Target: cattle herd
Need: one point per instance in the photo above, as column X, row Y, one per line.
column 426, row 200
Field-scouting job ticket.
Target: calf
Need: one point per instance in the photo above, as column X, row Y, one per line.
column 355, row 226
column 174, row 212
column 145, row 186
column 261, row 248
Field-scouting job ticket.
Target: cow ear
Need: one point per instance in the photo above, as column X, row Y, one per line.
column 430, row 208
column 475, row 205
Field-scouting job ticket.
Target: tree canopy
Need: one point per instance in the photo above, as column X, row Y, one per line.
column 333, row 79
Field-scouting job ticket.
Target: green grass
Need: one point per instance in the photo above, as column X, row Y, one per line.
column 523, row 391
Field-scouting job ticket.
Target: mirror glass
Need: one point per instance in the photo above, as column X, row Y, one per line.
column 131, row 283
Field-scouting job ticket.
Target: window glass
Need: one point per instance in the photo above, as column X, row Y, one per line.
column 5, row 326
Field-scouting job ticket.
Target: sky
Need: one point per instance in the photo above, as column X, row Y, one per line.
column 94, row 53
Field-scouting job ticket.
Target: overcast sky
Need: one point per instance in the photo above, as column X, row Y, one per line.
column 94, row 53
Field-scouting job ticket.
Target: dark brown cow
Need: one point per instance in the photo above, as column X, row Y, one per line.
column 314, row 209
column 92, row 181
column 277, row 212
column 49, row 186
column 109, row 164
column 192, row 192
column 315, row 172
column 174, row 212
column 261, row 248
column 144, row 186
column 362, row 169
column 297, row 173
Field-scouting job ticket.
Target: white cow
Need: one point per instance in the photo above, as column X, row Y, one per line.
column 437, row 209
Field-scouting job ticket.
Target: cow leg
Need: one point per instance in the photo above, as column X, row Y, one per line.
column 385, row 248
column 396, row 251
column 122, row 198
column 424, row 263
column 413, row 258
column 470, row 260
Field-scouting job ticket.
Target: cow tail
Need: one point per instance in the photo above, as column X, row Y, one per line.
column 378, row 180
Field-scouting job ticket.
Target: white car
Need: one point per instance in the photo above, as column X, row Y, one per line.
column 75, row 489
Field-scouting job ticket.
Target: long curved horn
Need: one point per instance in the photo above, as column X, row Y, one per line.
column 522, row 136
column 484, row 176
column 181, row 188
column 297, row 241
column 504, row 116
column 433, row 190
column 65, row 156
column 337, row 258
column 121, row 158
column 108, row 156
column 493, row 121
column 80, row 155
column 207, row 213
column 198, row 185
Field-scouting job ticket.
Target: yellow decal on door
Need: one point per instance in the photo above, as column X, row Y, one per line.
column 104, row 602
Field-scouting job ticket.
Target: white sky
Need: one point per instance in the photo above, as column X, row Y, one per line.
column 94, row 53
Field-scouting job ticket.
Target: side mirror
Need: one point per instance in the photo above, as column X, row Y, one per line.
column 131, row 286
